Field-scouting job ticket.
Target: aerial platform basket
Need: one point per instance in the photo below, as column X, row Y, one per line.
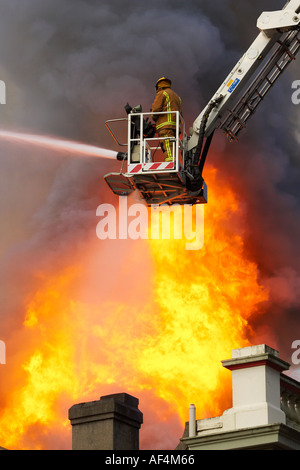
column 158, row 181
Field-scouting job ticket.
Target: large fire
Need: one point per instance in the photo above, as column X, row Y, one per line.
column 162, row 343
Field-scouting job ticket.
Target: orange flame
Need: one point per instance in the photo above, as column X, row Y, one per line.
column 164, row 347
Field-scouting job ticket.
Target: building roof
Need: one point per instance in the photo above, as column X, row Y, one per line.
column 265, row 412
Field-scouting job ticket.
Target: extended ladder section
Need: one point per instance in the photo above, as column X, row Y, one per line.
column 284, row 53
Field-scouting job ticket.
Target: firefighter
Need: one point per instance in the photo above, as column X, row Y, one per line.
column 166, row 100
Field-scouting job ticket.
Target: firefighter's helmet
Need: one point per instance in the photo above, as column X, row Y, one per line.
column 163, row 82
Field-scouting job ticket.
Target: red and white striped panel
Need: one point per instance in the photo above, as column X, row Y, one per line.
column 158, row 166
column 134, row 168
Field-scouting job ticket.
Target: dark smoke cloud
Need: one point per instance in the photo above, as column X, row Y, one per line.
column 68, row 66
column 81, row 61
column 71, row 64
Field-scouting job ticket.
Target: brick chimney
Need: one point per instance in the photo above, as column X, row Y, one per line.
column 111, row 423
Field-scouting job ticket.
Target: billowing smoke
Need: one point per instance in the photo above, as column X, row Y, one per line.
column 69, row 65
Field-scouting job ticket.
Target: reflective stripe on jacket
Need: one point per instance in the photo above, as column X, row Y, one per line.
column 166, row 100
